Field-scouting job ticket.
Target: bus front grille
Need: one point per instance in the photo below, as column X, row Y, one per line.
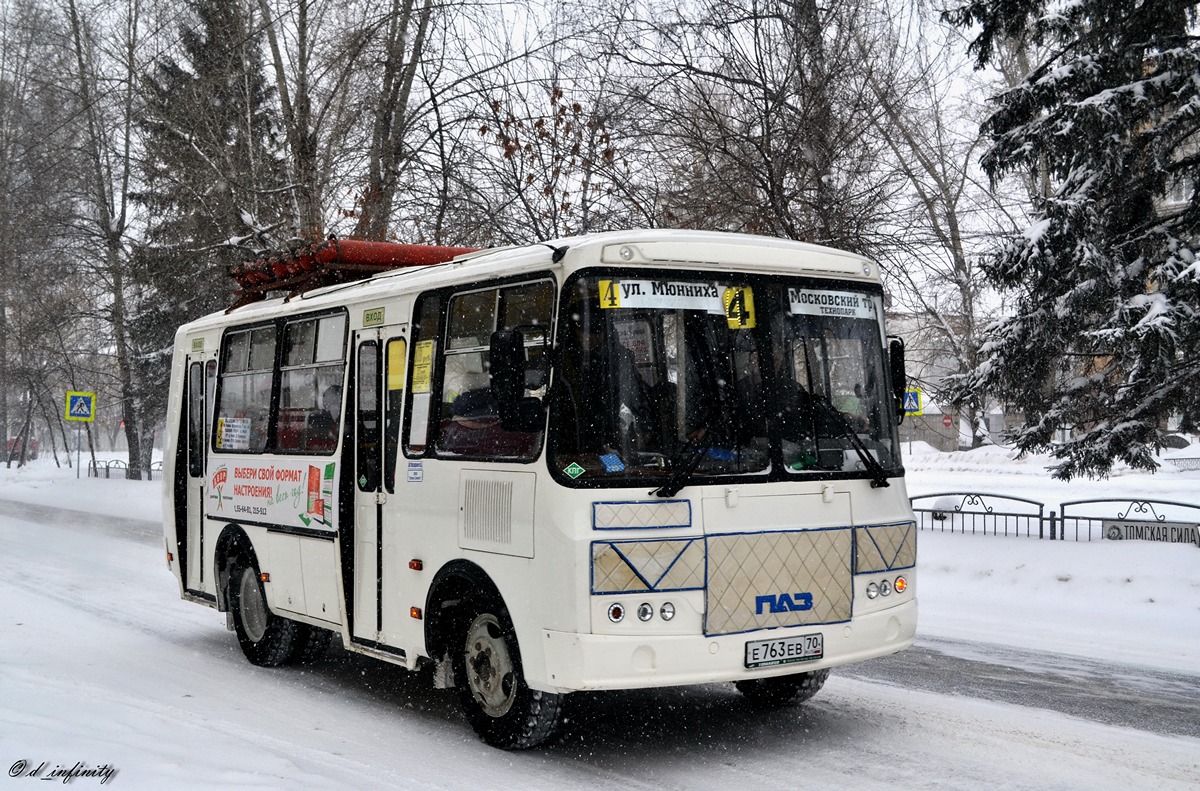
column 778, row 578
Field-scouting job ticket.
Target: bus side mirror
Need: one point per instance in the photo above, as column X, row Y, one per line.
column 899, row 377
column 510, row 373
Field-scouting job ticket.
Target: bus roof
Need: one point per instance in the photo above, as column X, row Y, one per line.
column 415, row 269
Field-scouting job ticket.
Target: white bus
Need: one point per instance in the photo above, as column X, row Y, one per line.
column 623, row 460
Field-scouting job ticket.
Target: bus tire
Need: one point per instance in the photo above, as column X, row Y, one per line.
column 500, row 706
column 780, row 690
column 311, row 643
column 266, row 639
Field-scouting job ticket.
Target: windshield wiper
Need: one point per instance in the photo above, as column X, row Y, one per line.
column 685, row 460
column 878, row 473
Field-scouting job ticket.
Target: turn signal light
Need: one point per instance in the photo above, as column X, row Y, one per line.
column 901, row 584
column 414, row 612
column 265, row 577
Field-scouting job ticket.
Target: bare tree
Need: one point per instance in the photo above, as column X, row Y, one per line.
column 764, row 111
column 930, row 124
column 36, row 186
column 104, row 45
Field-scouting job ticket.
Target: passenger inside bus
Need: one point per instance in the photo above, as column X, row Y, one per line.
column 474, row 429
column 321, row 427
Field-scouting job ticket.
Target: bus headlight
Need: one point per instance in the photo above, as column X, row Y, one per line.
column 645, row 612
column 667, row 612
column 872, row 591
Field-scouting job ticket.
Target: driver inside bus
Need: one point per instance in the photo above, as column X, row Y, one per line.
column 603, row 398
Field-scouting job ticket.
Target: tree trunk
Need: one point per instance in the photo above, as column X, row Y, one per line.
column 110, row 163
column 391, row 116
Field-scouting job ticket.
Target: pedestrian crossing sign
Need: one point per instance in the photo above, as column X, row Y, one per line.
column 81, row 406
column 912, row 402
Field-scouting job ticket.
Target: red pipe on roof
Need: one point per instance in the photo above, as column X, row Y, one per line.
column 385, row 254
column 333, row 261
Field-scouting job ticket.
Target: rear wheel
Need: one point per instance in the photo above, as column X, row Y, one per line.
column 782, row 689
column 266, row 639
column 501, row 708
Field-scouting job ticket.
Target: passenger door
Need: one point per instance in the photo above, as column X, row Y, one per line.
column 201, row 382
column 379, row 391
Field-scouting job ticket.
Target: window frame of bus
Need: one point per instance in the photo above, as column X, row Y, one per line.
column 224, row 374
column 195, row 419
column 433, row 307
column 278, row 326
column 316, row 366
column 395, row 361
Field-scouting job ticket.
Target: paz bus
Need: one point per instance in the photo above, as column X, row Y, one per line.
column 622, row 460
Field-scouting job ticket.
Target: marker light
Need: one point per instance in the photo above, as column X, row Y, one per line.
column 616, row 613
column 645, row 612
column 901, row 584
column 872, row 591
column 667, row 612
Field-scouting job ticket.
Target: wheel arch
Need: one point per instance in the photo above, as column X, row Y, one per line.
column 232, row 543
column 454, row 583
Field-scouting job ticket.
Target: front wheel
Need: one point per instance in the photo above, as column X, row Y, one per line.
column 501, row 708
column 266, row 639
column 782, row 689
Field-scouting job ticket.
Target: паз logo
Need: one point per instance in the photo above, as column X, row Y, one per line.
column 783, row 602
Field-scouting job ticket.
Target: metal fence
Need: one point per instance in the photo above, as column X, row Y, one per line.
column 98, row 468
column 1077, row 520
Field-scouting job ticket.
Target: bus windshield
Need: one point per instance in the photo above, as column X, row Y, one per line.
column 690, row 379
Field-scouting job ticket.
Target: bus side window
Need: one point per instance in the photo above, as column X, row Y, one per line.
column 420, row 374
column 244, row 398
column 469, row 421
column 310, row 400
column 394, row 377
column 195, row 408
column 367, row 412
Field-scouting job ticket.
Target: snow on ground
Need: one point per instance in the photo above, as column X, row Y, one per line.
column 1131, row 601
column 102, row 665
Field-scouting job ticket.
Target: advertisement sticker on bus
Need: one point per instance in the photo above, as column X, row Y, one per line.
column 233, row 433
column 422, row 366
column 293, row 494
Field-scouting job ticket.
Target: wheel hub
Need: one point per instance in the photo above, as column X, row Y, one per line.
column 251, row 606
column 490, row 670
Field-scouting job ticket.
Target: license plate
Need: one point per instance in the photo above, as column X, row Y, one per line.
column 785, row 650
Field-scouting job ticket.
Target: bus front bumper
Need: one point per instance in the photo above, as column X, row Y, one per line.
column 577, row 662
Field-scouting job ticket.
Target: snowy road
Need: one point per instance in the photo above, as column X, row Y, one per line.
column 101, row 663
column 1142, row 698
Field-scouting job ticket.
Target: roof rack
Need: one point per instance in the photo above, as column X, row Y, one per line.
column 328, row 263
